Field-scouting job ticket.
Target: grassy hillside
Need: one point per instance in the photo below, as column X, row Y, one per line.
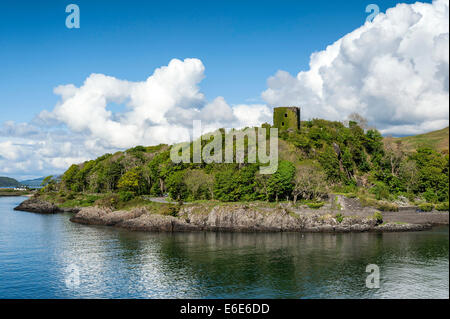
column 437, row 140
column 8, row 182
column 324, row 157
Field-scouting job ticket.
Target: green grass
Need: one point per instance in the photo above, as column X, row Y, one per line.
column 437, row 140
column 378, row 217
column 316, row 205
column 426, row 207
column 12, row 192
column 386, row 206
column 442, row 207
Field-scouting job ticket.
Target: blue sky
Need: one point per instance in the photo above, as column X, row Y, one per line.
column 139, row 72
column 241, row 43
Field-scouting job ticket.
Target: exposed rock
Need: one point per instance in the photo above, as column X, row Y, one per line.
column 243, row 218
column 35, row 205
column 350, row 204
column 91, row 216
column 155, row 222
column 72, row 210
column 235, row 218
column 105, row 216
column 337, row 149
column 402, row 201
column 396, row 227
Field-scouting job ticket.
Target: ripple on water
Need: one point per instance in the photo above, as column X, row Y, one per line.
column 38, row 254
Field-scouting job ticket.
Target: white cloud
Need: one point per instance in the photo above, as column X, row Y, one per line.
column 252, row 115
column 394, row 71
column 9, row 151
column 158, row 110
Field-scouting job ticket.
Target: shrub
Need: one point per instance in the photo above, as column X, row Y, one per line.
column 442, row 207
column 176, row 186
column 345, row 189
column 126, row 196
column 90, row 199
column 174, row 210
column 170, row 210
column 315, row 205
column 109, row 201
column 387, row 207
column 367, row 201
column 426, row 207
column 339, row 217
column 410, row 196
column 378, row 218
column 380, row 190
column 132, row 181
column 430, row 195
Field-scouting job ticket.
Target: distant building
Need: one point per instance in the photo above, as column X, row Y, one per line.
column 286, row 118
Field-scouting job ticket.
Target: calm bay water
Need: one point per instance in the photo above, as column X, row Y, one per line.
column 40, row 256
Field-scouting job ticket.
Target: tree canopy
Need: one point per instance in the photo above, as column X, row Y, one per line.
column 321, row 156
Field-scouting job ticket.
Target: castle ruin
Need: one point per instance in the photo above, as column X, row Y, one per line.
column 286, row 118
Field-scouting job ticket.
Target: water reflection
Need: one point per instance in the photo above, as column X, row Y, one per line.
column 207, row 265
column 35, row 251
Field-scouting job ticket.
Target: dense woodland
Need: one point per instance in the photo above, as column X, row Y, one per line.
column 323, row 157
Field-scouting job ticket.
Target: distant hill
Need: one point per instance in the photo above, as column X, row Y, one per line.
column 33, row 182
column 437, row 140
column 8, row 182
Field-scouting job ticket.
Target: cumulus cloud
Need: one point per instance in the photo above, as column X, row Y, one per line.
column 81, row 126
column 393, row 70
column 158, row 110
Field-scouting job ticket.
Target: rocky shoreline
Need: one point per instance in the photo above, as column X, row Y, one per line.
column 35, row 205
column 230, row 218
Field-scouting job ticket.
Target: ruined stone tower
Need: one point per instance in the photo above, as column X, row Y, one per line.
column 286, row 118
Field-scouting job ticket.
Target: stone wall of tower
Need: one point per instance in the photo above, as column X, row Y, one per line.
column 286, row 118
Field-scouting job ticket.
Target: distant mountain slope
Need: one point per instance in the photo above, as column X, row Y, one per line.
column 33, row 182
column 8, row 182
column 437, row 140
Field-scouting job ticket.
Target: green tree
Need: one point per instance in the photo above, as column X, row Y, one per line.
column 113, row 171
column 199, row 184
column 330, row 163
column 225, row 186
column 374, row 142
column 176, row 186
column 280, row 183
column 49, row 184
column 132, row 181
column 70, row 179
column 347, row 162
column 394, row 153
column 409, row 175
column 433, row 172
column 262, row 185
column 309, row 183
